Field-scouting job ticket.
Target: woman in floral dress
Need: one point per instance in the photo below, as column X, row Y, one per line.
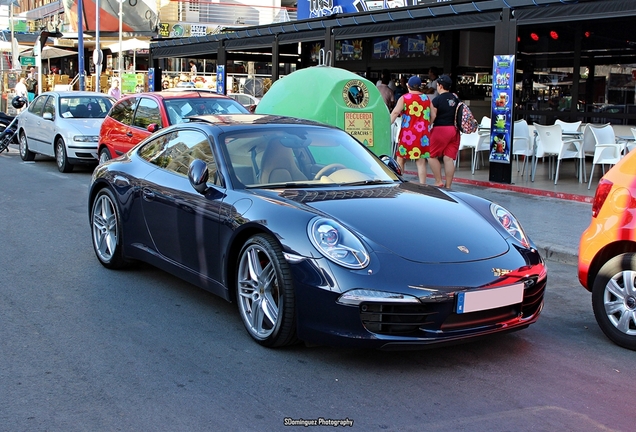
column 413, row 141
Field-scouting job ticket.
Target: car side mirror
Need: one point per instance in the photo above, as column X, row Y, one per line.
column 391, row 163
column 47, row 116
column 153, row 127
column 198, row 175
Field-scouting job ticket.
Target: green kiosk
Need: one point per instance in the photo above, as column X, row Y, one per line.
column 336, row 97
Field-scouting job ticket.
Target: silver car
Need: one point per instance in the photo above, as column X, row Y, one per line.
column 64, row 125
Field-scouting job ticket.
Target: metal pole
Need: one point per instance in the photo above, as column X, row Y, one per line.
column 121, row 3
column 80, row 44
column 98, row 66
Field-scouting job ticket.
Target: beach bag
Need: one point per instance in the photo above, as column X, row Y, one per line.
column 464, row 119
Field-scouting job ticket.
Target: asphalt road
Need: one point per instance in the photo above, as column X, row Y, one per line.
column 83, row 348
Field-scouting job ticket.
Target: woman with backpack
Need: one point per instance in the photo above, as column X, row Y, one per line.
column 444, row 136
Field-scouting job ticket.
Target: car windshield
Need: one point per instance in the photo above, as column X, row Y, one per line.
column 180, row 108
column 84, row 107
column 301, row 156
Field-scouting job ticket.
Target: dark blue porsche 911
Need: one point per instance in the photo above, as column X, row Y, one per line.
column 314, row 237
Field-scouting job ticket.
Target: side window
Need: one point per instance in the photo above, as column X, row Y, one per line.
column 49, row 106
column 37, row 105
column 124, row 110
column 147, row 113
column 176, row 150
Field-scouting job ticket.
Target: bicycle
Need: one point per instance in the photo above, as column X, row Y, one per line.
column 7, row 136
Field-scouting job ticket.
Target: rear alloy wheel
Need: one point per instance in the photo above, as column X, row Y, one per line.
column 25, row 153
column 61, row 158
column 104, row 155
column 106, row 230
column 614, row 300
column 265, row 293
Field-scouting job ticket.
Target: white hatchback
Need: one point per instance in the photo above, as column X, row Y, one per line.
column 64, row 125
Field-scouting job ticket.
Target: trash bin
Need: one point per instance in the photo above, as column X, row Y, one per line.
column 336, row 97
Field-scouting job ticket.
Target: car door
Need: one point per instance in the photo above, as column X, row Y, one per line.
column 183, row 224
column 119, row 134
column 47, row 127
column 146, row 113
column 30, row 122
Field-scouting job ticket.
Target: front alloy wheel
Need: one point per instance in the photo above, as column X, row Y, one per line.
column 614, row 300
column 63, row 165
column 265, row 293
column 104, row 155
column 106, row 228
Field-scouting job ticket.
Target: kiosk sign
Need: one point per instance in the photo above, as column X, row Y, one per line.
column 503, row 72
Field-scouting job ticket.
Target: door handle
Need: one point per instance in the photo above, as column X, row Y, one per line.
column 148, row 194
column 129, row 134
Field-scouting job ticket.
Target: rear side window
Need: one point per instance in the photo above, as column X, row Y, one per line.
column 147, row 113
column 124, row 110
column 37, row 105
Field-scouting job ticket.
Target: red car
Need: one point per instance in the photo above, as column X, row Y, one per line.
column 607, row 253
column 136, row 116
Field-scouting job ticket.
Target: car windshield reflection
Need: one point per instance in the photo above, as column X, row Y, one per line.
column 84, row 107
column 179, row 109
column 297, row 156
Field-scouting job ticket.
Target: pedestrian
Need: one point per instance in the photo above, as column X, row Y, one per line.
column 433, row 74
column 385, row 91
column 31, row 84
column 400, row 89
column 413, row 141
column 114, row 90
column 444, row 136
column 193, row 68
column 21, row 89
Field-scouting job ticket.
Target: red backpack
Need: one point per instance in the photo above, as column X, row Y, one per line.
column 464, row 119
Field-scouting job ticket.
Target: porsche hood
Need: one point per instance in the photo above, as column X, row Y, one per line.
column 420, row 224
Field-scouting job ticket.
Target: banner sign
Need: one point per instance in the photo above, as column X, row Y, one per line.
column 503, row 81
column 406, row 46
column 323, row 8
column 220, row 79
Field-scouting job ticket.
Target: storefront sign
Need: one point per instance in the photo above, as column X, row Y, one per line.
column 503, row 79
column 360, row 125
column 407, row 46
column 323, row 8
column 27, row 61
column 183, row 29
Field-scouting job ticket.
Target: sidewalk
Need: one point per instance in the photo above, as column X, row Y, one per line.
column 554, row 217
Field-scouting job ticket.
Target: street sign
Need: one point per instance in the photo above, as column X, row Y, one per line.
column 27, row 61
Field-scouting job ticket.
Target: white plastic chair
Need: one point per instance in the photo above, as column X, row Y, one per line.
column 630, row 145
column 568, row 126
column 607, row 151
column 554, row 146
column 467, row 141
column 589, row 144
column 483, row 144
column 522, row 143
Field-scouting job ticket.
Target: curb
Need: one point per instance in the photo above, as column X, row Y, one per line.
column 551, row 252
column 520, row 189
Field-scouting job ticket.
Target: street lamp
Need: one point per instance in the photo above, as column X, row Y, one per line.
column 121, row 15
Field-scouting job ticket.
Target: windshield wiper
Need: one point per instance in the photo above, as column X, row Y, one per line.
column 368, row 182
column 292, row 185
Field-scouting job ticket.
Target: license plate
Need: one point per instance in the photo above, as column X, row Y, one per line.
column 473, row 301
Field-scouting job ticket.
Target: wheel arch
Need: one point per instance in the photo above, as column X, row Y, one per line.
column 605, row 254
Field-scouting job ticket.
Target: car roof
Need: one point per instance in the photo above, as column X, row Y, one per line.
column 187, row 94
column 76, row 94
column 225, row 120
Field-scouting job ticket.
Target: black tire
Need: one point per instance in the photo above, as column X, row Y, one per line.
column 61, row 159
column 104, row 155
column 25, row 153
column 265, row 292
column 614, row 300
column 106, row 230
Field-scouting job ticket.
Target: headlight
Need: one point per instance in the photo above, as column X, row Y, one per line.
column 357, row 296
column 86, row 138
column 337, row 243
column 508, row 221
